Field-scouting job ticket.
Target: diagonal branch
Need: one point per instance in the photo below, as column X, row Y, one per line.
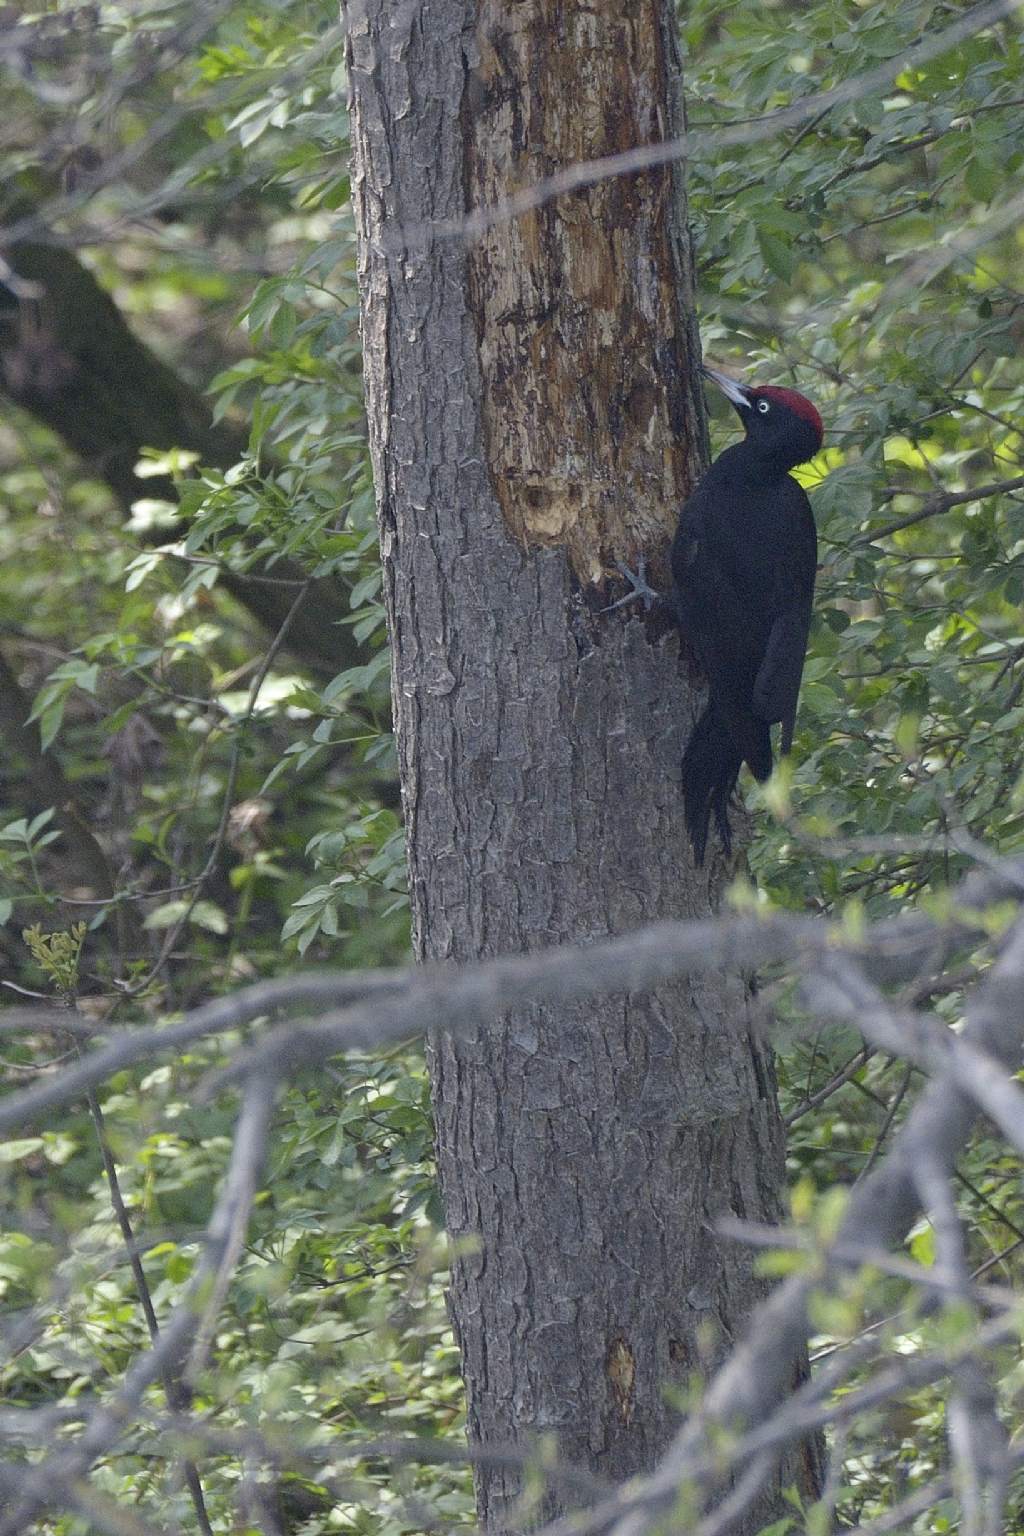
column 754, row 1381
column 389, row 1006
column 935, row 505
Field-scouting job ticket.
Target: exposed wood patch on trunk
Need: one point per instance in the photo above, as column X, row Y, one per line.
column 584, row 388
column 621, row 1369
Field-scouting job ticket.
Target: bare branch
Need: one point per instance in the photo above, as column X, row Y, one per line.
column 999, row 1297
column 128, row 1046
column 226, row 1232
column 754, row 1380
column 935, row 505
column 838, row 988
column 404, row 1004
column 903, row 1514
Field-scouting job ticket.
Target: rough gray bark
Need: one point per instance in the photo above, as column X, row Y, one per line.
column 534, row 416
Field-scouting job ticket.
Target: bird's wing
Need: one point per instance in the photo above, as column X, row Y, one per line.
column 719, row 624
column 777, row 685
column 715, row 616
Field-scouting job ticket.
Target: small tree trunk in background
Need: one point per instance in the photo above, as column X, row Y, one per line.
column 535, row 416
column 71, row 360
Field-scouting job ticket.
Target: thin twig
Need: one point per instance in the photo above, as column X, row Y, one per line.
column 936, row 505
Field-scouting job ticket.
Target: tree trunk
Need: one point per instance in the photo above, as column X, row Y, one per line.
column 534, row 417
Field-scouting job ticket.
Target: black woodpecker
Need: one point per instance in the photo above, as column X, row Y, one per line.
column 743, row 564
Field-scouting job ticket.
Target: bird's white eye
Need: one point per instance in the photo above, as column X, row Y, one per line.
column 763, row 407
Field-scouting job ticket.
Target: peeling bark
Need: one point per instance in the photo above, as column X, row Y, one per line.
column 582, row 306
column 584, row 1152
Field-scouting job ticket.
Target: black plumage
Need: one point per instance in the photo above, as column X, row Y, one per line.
column 743, row 566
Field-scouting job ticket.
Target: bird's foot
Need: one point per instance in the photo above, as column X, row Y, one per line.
column 642, row 592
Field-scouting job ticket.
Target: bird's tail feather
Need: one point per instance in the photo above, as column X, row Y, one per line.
column 711, row 766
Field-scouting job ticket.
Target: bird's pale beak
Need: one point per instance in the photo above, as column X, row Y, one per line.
column 737, row 393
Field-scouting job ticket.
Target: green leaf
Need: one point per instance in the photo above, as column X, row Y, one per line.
column 51, row 718
column 983, row 179
column 779, row 257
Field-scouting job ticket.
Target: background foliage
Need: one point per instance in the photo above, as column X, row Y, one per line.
column 196, row 162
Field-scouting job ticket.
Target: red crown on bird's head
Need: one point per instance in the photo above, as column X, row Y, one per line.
column 798, row 404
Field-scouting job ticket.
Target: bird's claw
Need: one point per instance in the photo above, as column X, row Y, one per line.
column 642, row 591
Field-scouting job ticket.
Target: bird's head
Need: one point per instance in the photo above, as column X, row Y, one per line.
column 780, row 424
